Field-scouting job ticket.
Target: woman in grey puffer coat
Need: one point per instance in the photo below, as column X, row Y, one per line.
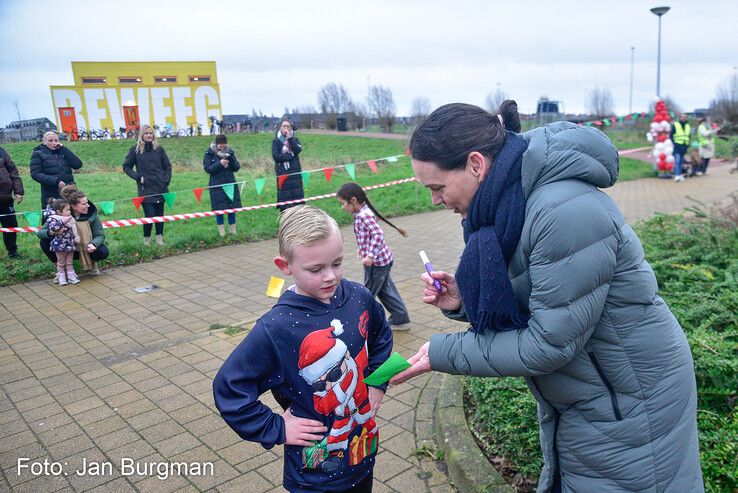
column 604, row 357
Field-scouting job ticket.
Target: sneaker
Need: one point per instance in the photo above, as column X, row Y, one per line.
column 15, row 256
column 95, row 271
column 62, row 279
column 72, row 278
column 159, row 240
column 401, row 327
column 147, row 240
column 56, row 278
column 699, row 173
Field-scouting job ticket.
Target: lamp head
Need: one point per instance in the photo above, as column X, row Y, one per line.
column 660, row 10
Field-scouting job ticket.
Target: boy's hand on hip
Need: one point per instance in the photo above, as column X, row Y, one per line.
column 376, row 395
column 368, row 261
column 302, row 431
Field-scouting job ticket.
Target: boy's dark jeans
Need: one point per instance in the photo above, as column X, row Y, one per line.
column 378, row 281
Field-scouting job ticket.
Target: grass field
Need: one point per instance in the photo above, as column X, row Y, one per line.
column 102, row 179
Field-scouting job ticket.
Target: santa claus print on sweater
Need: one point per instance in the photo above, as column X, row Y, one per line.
column 339, row 391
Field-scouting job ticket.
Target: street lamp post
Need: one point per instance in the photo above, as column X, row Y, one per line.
column 630, row 99
column 659, row 11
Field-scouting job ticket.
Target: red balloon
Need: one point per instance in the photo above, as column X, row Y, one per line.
column 667, row 118
column 661, row 137
column 662, row 166
column 669, row 166
column 658, row 118
column 662, row 157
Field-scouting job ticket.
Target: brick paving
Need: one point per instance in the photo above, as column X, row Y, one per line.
column 98, row 372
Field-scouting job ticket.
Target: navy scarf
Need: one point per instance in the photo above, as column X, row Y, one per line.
column 492, row 231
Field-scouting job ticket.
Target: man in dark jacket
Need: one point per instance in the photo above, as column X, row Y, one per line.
column 10, row 185
column 286, row 151
column 52, row 165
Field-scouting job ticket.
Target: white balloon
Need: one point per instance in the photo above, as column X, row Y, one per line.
column 665, row 126
column 658, row 148
column 669, row 158
column 649, row 137
column 655, row 127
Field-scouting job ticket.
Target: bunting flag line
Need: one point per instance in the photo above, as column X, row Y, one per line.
column 351, row 169
column 198, row 194
column 169, row 198
column 328, row 172
column 280, row 181
column 228, row 189
column 107, row 206
column 120, row 223
column 391, row 159
column 305, row 178
column 259, row 185
column 33, row 218
column 373, row 166
column 137, row 201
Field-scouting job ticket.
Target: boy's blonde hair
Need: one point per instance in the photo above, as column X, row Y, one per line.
column 303, row 225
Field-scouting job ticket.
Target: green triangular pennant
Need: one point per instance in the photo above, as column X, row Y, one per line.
column 351, row 168
column 228, row 189
column 107, row 206
column 169, row 198
column 305, row 178
column 33, row 218
column 259, row 185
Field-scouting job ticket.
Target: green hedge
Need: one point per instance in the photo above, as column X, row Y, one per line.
column 696, row 262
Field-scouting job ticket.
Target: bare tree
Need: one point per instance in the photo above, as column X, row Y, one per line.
column 599, row 103
column 495, row 100
column 382, row 105
column 419, row 109
column 16, row 106
column 725, row 105
column 302, row 110
column 333, row 100
column 358, row 115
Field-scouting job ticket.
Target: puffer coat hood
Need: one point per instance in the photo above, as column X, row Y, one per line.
column 604, row 357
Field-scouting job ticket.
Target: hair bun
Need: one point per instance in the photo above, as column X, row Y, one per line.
column 510, row 116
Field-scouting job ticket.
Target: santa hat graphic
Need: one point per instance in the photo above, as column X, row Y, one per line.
column 320, row 351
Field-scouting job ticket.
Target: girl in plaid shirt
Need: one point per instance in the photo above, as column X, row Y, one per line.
column 374, row 252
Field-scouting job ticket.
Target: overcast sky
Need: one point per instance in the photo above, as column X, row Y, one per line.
column 272, row 55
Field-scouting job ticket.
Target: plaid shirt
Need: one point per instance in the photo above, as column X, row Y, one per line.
column 370, row 238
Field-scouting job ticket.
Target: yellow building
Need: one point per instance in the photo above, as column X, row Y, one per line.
column 128, row 94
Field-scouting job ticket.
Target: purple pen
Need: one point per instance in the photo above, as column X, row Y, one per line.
column 429, row 268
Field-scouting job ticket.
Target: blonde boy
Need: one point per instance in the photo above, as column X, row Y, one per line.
column 313, row 350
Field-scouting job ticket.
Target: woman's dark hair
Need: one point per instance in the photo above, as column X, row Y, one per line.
column 221, row 139
column 451, row 132
column 353, row 190
column 72, row 194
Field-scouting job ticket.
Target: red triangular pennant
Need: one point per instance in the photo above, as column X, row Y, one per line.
column 407, row 151
column 328, row 172
column 198, row 194
column 280, row 180
column 373, row 166
column 137, row 202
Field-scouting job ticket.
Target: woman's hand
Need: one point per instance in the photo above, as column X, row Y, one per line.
column 449, row 298
column 368, row 261
column 141, row 180
column 91, row 248
column 375, row 399
column 61, row 184
column 224, row 163
column 420, row 362
column 18, row 198
column 302, row 431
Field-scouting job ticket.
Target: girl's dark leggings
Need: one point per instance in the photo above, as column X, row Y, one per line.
column 153, row 210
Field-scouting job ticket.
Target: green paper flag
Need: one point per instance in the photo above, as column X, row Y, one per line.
column 228, row 189
column 351, row 168
column 259, row 185
column 169, row 198
column 107, row 206
column 394, row 365
column 33, row 218
column 606, row 122
column 305, row 178
column 392, row 159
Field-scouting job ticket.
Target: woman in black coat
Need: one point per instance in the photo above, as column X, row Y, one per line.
column 286, row 149
column 220, row 163
column 52, row 165
column 152, row 174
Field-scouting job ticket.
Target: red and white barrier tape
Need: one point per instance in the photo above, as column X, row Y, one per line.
column 121, row 223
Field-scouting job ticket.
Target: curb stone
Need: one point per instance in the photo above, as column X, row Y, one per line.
column 467, row 465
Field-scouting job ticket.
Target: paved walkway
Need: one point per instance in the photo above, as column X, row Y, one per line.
column 98, row 372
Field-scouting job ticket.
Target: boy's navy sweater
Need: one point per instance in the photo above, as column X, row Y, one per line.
column 314, row 355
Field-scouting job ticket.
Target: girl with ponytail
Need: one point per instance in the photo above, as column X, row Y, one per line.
column 374, row 252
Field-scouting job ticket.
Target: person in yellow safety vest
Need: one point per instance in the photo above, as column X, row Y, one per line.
column 706, row 140
column 681, row 134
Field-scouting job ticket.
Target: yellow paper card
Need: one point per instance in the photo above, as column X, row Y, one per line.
column 275, row 287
